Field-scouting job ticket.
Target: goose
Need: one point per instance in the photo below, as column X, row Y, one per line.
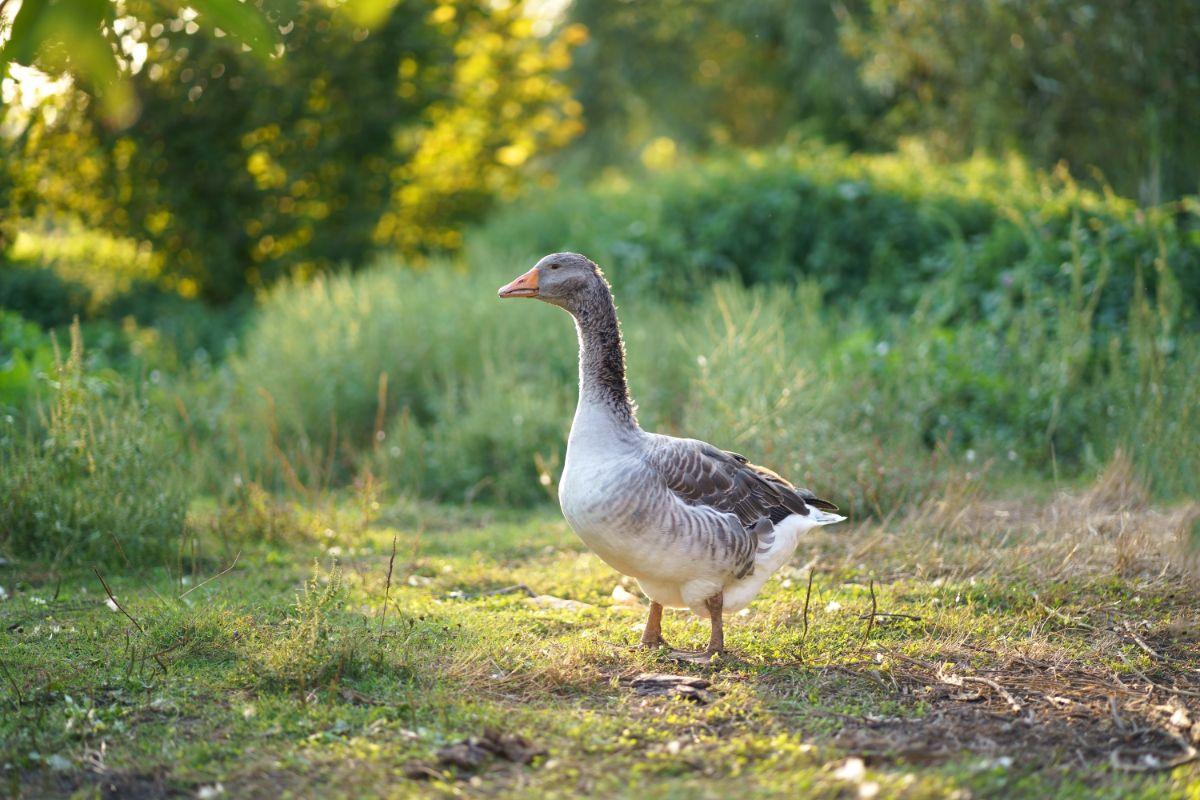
column 698, row 527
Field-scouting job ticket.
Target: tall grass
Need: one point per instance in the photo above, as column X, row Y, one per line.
column 92, row 475
column 872, row 411
column 869, row 325
column 423, row 376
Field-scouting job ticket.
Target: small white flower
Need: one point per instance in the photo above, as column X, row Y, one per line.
column 3, row 594
column 37, row 601
column 111, row 604
column 832, row 605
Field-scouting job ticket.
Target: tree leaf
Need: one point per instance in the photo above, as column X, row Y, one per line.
column 243, row 21
column 22, row 45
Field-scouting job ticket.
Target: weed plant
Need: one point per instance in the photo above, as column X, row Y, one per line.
column 92, row 474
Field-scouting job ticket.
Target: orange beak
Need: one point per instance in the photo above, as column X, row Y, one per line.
column 524, row 286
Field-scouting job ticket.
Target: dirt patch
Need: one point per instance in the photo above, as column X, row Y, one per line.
column 1029, row 710
column 109, row 786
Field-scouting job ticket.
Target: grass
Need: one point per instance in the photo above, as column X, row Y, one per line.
column 90, row 473
column 347, row 612
column 1021, row 648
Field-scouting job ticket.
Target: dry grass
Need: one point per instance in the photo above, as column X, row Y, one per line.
column 1061, row 714
column 1108, row 528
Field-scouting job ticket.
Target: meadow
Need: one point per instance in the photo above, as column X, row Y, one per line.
column 310, row 547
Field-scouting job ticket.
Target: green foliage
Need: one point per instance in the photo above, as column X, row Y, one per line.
column 25, row 355
column 39, row 294
column 711, row 73
column 1104, row 87
column 312, row 647
column 1036, row 77
column 426, row 369
column 239, row 172
column 984, row 310
column 95, row 480
column 876, row 230
column 75, row 37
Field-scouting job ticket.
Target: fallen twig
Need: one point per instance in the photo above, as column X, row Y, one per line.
column 232, row 564
column 1116, row 714
column 1154, row 684
column 959, row 680
column 1128, row 630
column 128, row 616
column 1054, row 612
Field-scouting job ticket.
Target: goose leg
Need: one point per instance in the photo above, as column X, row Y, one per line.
column 716, row 639
column 652, row 636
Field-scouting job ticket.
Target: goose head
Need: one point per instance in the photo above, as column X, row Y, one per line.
column 566, row 280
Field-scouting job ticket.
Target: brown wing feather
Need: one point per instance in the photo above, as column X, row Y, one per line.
column 704, row 475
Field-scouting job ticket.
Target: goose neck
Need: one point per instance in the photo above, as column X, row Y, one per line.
column 602, row 381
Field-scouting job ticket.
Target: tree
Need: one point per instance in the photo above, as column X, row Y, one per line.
column 349, row 138
column 1110, row 85
column 707, row 73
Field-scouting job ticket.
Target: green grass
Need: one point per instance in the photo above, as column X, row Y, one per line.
column 280, row 678
column 1031, row 642
column 90, row 473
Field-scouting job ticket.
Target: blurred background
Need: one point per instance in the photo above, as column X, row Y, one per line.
column 889, row 248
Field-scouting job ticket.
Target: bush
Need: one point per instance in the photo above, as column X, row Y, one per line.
column 1035, row 332
column 383, row 364
column 96, row 479
column 39, row 294
column 189, row 330
column 25, row 354
column 871, row 231
column 480, row 394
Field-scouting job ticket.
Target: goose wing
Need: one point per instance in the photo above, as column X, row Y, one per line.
column 701, row 474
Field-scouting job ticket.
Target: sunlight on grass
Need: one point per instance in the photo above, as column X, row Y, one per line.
column 285, row 673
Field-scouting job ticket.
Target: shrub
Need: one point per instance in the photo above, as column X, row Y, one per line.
column 40, row 295
column 95, row 478
column 767, row 383
column 870, row 230
column 338, row 367
column 985, row 315
column 25, row 354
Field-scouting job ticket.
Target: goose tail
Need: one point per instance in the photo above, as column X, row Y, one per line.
column 821, row 517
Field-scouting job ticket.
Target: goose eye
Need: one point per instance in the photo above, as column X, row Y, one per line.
column 554, row 266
